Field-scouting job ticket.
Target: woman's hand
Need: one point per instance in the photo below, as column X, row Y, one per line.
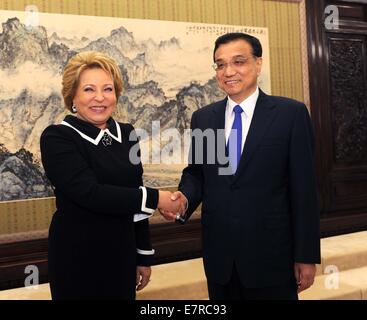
column 142, row 277
column 167, row 207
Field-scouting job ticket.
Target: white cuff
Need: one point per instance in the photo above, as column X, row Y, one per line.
column 142, row 216
column 145, row 252
column 144, row 201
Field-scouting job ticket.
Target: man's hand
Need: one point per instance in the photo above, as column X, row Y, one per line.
column 179, row 196
column 179, row 202
column 168, row 207
column 305, row 275
column 142, row 277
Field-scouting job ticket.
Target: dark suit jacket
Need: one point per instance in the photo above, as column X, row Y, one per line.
column 265, row 217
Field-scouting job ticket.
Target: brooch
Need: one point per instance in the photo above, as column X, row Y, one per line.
column 106, row 140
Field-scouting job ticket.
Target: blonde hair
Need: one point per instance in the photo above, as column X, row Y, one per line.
column 83, row 61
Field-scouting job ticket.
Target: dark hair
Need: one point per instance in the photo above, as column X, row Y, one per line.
column 257, row 50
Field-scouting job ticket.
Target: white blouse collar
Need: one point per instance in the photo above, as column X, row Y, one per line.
column 99, row 136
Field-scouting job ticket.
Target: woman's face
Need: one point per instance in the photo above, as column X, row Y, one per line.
column 95, row 98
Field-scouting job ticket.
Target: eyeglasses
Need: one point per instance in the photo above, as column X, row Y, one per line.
column 236, row 63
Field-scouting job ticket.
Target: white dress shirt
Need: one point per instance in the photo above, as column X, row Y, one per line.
column 248, row 107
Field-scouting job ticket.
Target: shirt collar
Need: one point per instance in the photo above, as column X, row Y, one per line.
column 92, row 133
column 247, row 105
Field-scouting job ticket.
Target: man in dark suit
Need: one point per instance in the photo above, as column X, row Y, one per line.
column 260, row 222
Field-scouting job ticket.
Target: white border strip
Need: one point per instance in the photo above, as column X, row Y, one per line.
column 100, row 135
column 145, row 252
column 84, row 136
column 141, row 216
column 118, row 138
column 144, row 201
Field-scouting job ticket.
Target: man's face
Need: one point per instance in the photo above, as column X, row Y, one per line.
column 237, row 69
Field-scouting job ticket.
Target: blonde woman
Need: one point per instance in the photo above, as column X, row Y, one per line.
column 99, row 241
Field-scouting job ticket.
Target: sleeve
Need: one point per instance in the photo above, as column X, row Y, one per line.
column 191, row 183
column 304, row 199
column 70, row 174
column 144, row 251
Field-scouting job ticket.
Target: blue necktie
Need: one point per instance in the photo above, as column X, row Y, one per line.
column 235, row 139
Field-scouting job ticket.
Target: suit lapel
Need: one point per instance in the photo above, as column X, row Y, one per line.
column 264, row 114
column 219, row 111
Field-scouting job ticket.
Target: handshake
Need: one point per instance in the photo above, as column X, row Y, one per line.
column 171, row 205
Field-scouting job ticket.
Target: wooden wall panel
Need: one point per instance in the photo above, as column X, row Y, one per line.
column 338, row 87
